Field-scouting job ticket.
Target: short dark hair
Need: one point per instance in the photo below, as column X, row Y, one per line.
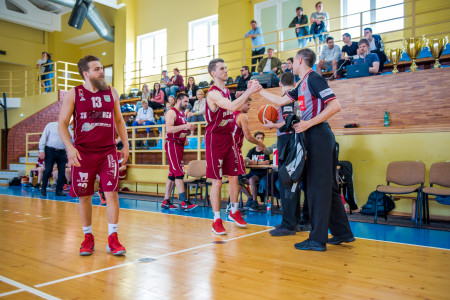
column 368, row 28
column 213, row 63
column 299, row 8
column 246, row 68
column 364, row 41
column 318, row 3
column 253, row 21
column 270, row 49
column 258, row 133
column 348, row 35
column 287, row 79
column 330, row 38
column 180, row 96
column 83, row 64
column 291, row 59
column 308, row 55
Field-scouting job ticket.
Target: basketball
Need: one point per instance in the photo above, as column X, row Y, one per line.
column 267, row 113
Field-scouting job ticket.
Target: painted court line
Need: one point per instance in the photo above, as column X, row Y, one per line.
column 11, row 293
column 26, row 288
column 138, row 260
column 406, row 244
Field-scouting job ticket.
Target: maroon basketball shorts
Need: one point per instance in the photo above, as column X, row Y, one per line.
column 105, row 164
column 175, row 154
column 241, row 164
column 221, row 156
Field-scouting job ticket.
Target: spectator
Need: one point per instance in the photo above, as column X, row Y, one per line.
column 283, row 67
column 144, row 117
column 376, row 46
column 158, row 95
column 243, row 80
column 48, row 70
column 257, row 40
column 269, row 64
column 298, row 21
column 328, row 57
column 197, row 114
column 38, row 171
column 40, row 62
column 349, row 50
column 366, row 57
column 146, row 93
column 255, row 157
column 319, row 21
column 191, row 90
column 165, row 79
column 290, row 64
column 176, row 83
column 170, row 102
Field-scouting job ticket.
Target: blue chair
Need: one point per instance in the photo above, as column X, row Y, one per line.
column 314, row 67
column 446, row 50
column 425, row 53
column 192, row 143
column 202, row 145
column 158, row 146
column 386, row 73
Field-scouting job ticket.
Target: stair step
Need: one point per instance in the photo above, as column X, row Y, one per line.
column 17, row 167
column 4, row 181
column 30, row 153
column 8, row 174
column 22, row 160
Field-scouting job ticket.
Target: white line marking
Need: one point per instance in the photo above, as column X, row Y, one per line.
column 390, row 242
column 20, row 221
column 7, row 209
column 27, row 214
column 27, row 288
column 11, row 293
column 38, row 216
column 16, row 212
column 45, row 218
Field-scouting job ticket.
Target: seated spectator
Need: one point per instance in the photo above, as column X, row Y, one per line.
column 255, row 157
column 176, row 83
column 283, row 67
column 191, row 90
column 146, row 93
column 298, row 21
column 290, row 65
column 197, row 114
column 243, row 80
column 328, row 57
column 157, row 97
column 366, row 57
column 269, row 64
column 320, row 23
column 38, row 171
column 165, row 79
column 348, row 51
column 170, row 102
column 376, row 46
column 144, row 117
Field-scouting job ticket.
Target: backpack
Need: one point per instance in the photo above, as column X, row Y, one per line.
column 15, row 182
column 369, row 207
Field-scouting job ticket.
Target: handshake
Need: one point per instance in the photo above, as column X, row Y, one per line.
column 254, row 86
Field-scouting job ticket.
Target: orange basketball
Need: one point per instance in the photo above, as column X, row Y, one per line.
column 267, row 113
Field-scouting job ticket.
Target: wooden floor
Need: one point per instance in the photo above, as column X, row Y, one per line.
column 39, row 242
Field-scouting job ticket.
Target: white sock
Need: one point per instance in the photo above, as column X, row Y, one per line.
column 87, row 229
column 234, row 207
column 112, row 228
column 216, row 215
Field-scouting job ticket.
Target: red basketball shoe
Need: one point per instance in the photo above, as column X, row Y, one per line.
column 87, row 246
column 101, row 195
column 217, row 227
column 114, row 245
column 187, row 205
column 237, row 218
column 168, row 204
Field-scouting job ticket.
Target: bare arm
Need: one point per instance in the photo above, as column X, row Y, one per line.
column 67, row 109
column 280, row 101
column 170, row 121
column 215, row 98
column 375, row 68
column 331, row 109
column 242, row 121
column 271, row 125
column 120, row 127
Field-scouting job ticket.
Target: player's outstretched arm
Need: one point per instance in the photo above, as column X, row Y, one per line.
column 280, row 101
column 120, row 126
column 225, row 103
column 66, row 113
column 242, row 121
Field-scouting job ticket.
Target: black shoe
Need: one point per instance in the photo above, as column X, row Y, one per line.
column 37, row 186
column 61, row 194
column 297, row 228
column 281, row 232
column 311, row 245
column 305, row 227
column 43, row 193
column 335, row 240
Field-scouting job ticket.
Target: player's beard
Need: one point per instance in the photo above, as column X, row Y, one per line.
column 100, row 84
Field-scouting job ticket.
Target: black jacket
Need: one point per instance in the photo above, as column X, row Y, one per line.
column 303, row 21
column 242, row 83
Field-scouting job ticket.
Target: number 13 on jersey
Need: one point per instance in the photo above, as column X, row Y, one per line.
column 96, row 102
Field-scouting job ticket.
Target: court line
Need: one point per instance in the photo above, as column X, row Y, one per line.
column 137, row 260
column 406, row 244
column 27, row 288
column 11, row 293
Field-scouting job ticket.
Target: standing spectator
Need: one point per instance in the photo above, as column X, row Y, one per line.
column 283, row 67
column 243, row 80
column 349, row 50
column 320, row 23
column 376, row 46
column 269, row 64
column 165, row 79
column 176, row 83
column 329, row 57
column 39, row 64
column 298, row 21
column 48, row 70
column 52, row 150
column 145, row 117
column 366, row 57
column 157, row 95
column 257, row 40
column 146, row 93
column 197, row 114
column 191, row 90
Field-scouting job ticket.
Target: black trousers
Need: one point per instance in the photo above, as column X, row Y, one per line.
column 53, row 155
column 340, row 65
column 255, row 60
column 325, row 205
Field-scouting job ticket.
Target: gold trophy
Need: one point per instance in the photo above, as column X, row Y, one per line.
column 394, row 56
column 413, row 47
column 436, row 47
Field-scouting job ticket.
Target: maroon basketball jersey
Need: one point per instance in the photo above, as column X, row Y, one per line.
column 93, row 119
column 222, row 120
column 180, row 136
column 238, row 133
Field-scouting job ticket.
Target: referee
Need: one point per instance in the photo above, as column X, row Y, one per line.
column 317, row 103
column 52, row 149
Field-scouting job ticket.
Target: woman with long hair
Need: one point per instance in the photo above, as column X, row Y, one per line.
column 191, row 90
column 157, row 96
column 146, row 93
column 48, row 72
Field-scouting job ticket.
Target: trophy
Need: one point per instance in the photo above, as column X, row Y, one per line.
column 413, row 47
column 394, row 56
column 436, row 47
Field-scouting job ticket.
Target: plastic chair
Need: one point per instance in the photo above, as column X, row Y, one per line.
column 196, row 172
column 439, row 175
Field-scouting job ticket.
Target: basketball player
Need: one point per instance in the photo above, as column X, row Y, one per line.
column 221, row 156
column 96, row 112
column 317, row 103
column 176, row 131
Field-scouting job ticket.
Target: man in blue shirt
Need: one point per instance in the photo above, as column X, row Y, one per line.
column 366, row 57
column 257, row 40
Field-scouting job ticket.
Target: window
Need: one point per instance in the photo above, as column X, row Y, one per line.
column 203, row 41
column 152, row 52
column 380, row 15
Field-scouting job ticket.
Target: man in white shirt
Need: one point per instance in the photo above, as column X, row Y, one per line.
column 52, row 150
column 145, row 117
column 329, row 57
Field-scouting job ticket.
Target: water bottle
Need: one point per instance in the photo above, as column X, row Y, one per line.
column 386, row 119
column 269, row 207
